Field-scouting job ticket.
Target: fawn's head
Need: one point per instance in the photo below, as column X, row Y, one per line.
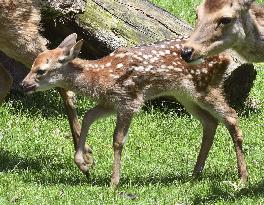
column 48, row 68
column 219, row 26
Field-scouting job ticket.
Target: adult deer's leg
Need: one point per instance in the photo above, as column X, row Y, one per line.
column 119, row 139
column 231, row 122
column 216, row 104
column 69, row 103
column 5, row 83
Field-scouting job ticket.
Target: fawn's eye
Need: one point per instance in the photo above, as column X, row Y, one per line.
column 224, row 20
column 41, row 72
column 61, row 61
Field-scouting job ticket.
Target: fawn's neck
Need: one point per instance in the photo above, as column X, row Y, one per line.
column 84, row 79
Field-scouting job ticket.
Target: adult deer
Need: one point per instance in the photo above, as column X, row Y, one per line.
column 223, row 24
column 20, row 39
column 123, row 80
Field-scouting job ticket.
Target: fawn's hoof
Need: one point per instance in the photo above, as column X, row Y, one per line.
column 80, row 162
column 88, row 156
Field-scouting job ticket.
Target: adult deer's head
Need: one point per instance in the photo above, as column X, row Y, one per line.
column 219, row 26
column 49, row 67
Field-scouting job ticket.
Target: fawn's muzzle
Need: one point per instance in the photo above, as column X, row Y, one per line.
column 186, row 54
column 27, row 88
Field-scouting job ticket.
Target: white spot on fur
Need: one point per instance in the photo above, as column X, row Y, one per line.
column 114, row 76
column 161, row 53
column 189, row 76
column 139, row 69
column 145, row 56
column 120, row 55
column 108, row 65
column 161, row 70
column 129, row 82
column 178, row 69
column 119, row 65
column 204, row 70
column 167, row 52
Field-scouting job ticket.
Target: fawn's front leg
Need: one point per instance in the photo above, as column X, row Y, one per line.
column 119, row 139
column 90, row 116
column 69, row 103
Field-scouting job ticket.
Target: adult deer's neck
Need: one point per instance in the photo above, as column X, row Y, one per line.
column 252, row 46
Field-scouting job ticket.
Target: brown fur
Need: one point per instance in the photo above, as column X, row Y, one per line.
column 214, row 5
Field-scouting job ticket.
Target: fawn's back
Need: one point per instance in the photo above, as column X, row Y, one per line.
column 145, row 72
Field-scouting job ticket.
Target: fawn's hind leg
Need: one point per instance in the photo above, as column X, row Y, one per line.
column 215, row 103
column 122, row 125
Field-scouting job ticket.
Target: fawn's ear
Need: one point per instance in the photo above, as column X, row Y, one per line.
column 73, row 52
column 69, row 41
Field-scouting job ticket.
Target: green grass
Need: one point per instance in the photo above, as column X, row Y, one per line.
column 36, row 155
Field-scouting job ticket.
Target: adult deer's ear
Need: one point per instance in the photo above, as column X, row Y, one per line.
column 246, row 3
column 69, row 41
column 71, row 53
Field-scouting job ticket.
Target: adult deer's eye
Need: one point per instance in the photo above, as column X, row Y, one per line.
column 41, row 72
column 224, row 20
column 196, row 16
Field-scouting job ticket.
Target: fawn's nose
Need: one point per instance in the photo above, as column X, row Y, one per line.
column 21, row 85
column 186, row 54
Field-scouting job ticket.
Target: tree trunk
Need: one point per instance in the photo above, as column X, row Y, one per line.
column 108, row 24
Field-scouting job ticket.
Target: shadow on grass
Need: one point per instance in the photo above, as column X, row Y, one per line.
column 9, row 163
column 40, row 170
column 50, row 104
column 33, row 169
column 218, row 192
